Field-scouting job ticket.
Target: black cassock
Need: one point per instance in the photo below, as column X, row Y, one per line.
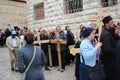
column 118, row 61
column 70, row 41
column 108, row 55
column 54, row 54
column 77, row 63
column 77, row 59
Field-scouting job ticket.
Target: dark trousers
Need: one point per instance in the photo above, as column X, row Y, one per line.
column 47, row 57
column 1, row 42
column 69, row 57
column 63, row 52
column 77, row 63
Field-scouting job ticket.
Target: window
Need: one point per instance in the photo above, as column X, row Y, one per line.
column 72, row 6
column 39, row 11
column 106, row 3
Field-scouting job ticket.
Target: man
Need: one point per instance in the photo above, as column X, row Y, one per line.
column 70, row 41
column 44, row 46
column 13, row 44
column 2, row 38
column 61, row 36
column 118, row 59
column 108, row 48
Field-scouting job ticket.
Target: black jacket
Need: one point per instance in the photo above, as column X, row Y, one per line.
column 108, row 55
column 70, row 38
column 44, row 46
column 118, row 61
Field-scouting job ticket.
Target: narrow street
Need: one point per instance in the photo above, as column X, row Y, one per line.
column 7, row 74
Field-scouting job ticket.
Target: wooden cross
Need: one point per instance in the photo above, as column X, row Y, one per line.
column 50, row 56
column 58, row 42
column 74, row 50
column 49, row 50
column 98, row 18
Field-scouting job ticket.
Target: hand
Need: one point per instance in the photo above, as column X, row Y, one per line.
column 13, row 50
column 60, row 40
column 98, row 45
column 116, row 31
column 39, row 43
column 96, row 34
column 55, row 39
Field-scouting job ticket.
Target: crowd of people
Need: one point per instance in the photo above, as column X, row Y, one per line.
column 95, row 54
column 21, row 43
column 3, row 36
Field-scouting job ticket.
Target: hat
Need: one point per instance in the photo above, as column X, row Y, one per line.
column 13, row 32
column 87, row 32
column 107, row 19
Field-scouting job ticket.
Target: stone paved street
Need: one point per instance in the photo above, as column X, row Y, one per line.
column 7, row 74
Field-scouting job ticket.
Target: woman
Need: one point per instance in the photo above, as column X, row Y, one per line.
column 89, row 56
column 25, row 56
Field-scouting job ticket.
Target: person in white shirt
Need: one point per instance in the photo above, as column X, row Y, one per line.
column 13, row 44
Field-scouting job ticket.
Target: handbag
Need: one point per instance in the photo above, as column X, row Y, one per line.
column 92, row 73
column 96, row 72
column 24, row 74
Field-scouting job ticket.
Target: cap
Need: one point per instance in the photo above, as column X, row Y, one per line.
column 13, row 32
column 106, row 19
column 87, row 32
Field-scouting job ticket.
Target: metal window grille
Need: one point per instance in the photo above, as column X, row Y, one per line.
column 72, row 6
column 109, row 3
column 39, row 11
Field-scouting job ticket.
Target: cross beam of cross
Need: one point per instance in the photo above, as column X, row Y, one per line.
column 49, row 50
column 98, row 18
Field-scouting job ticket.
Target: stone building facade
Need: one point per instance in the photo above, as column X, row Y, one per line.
column 55, row 13
column 12, row 13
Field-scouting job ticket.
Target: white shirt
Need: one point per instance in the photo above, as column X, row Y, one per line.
column 22, row 37
column 14, row 42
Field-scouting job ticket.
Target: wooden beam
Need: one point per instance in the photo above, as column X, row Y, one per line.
column 93, row 17
column 98, row 18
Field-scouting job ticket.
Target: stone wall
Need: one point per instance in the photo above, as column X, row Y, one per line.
column 55, row 14
column 12, row 14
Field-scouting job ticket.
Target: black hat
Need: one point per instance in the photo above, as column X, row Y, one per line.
column 107, row 19
column 87, row 32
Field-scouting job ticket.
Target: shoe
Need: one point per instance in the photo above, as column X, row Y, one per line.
column 47, row 69
column 16, row 70
column 62, row 70
column 12, row 69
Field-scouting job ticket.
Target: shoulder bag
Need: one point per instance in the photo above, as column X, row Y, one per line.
column 92, row 73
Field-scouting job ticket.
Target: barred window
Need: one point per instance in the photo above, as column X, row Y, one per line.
column 106, row 3
column 39, row 11
column 72, row 6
